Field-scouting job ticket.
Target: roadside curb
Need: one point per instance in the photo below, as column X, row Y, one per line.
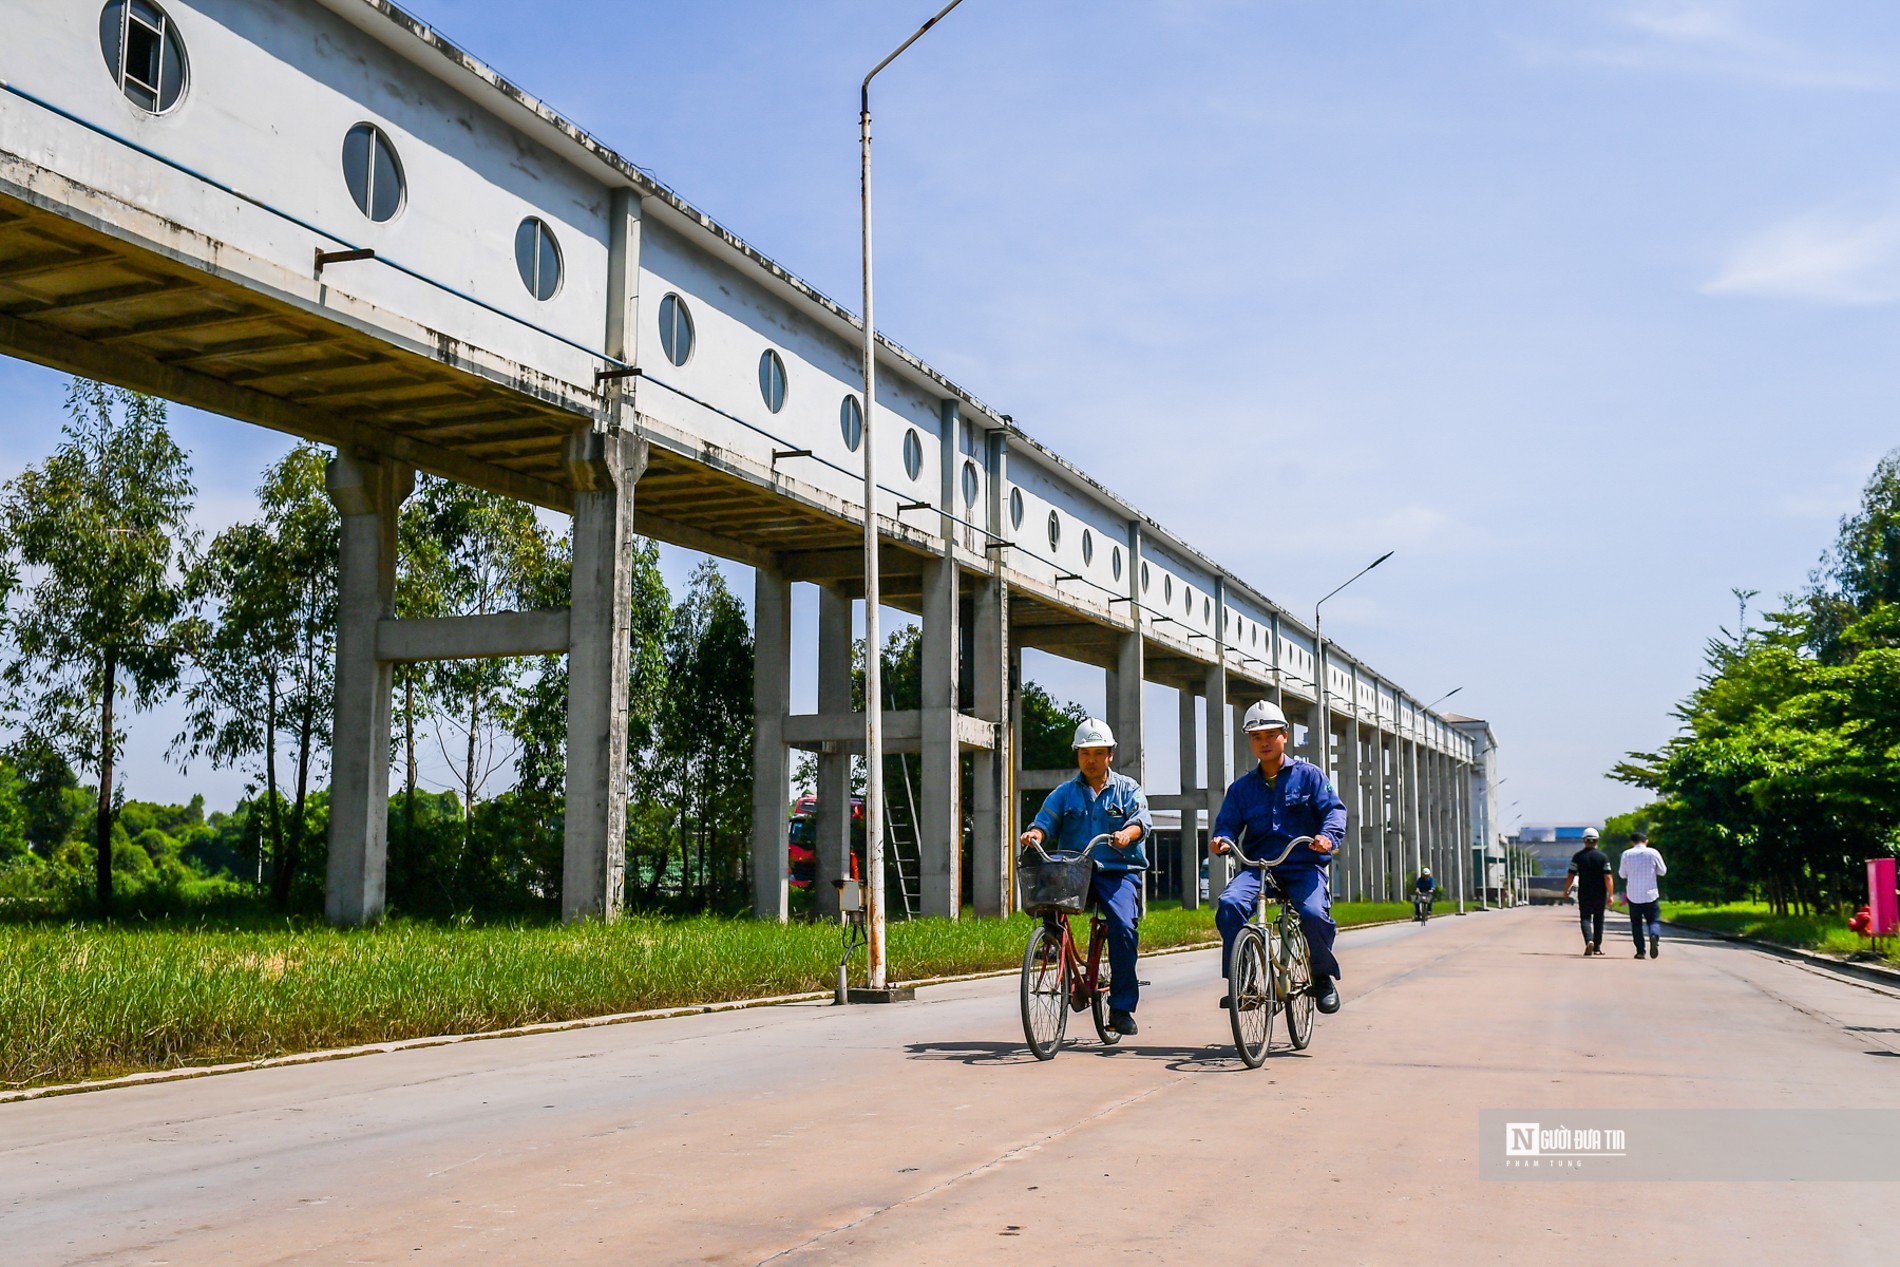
column 189, row 1072
column 1889, row 977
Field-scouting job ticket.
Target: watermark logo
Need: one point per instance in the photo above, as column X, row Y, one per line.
column 1534, row 1144
column 1755, row 1145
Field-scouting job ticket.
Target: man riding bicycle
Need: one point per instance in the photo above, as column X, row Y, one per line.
column 1098, row 802
column 1282, row 798
column 1425, row 887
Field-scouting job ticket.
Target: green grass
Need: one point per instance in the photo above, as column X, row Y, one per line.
column 84, row 1000
column 1827, row 934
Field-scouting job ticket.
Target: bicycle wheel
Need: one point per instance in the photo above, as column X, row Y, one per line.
column 1250, row 987
column 1098, row 1006
column 1045, row 991
column 1296, row 972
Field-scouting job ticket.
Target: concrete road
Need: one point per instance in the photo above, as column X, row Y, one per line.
column 924, row 1133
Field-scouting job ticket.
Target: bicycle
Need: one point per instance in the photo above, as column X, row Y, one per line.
column 1056, row 977
column 1271, row 968
column 1422, row 906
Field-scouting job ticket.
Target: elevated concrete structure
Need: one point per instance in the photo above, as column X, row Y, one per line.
column 532, row 314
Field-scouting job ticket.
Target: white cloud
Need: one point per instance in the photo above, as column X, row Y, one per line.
column 1708, row 38
column 1829, row 256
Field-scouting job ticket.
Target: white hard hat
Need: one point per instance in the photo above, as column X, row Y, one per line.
column 1589, row 833
column 1424, row 870
column 1093, row 733
column 1265, row 715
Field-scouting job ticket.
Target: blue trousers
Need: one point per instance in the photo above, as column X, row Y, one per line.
column 1306, row 888
column 1117, row 896
column 1645, row 916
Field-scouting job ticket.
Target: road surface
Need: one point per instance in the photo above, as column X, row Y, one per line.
column 923, row 1133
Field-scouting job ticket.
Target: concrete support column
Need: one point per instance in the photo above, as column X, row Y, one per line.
column 368, row 492
column 1397, row 849
column 604, row 468
column 1131, row 751
column 990, row 783
column 833, row 825
column 771, row 759
column 939, row 785
column 1219, row 747
column 1351, row 791
column 1187, row 732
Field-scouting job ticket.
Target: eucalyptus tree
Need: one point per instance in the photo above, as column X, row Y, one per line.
column 96, row 539
column 264, row 660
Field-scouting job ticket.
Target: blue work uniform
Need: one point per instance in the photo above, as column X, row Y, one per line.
column 1072, row 816
column 1299, row 801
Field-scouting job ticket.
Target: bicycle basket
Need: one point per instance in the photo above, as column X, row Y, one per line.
column 1059, row 886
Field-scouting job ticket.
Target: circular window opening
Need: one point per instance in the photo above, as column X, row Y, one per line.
column 1167, row 589
column 1144, row 578
column 1055, row 530
column 1088, row 546
column 1187, row 599
column 772, row 380
column 144, row 54
column 538, row 257
column 1015, row 507
column 372, row 171
column 1256, row 635
column 1207, row 611
column 851, row 422
column 676, row 330
column 969, row 483
column 913, row 453
column 1115, row 561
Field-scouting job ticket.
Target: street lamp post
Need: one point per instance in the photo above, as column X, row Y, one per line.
column 1319, row 670
column 873, row 668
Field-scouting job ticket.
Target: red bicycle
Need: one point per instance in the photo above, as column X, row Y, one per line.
column 1057, row 976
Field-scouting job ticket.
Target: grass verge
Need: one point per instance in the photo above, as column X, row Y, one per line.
column 1824, row 934
column 84, row 1001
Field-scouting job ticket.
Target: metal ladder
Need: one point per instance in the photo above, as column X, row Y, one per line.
column 900, row 840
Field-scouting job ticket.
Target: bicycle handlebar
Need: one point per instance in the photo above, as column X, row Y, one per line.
column 1265, row 864
column 1105, row 836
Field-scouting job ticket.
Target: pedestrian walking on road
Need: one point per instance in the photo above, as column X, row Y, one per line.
column 1590, row 876
column 1640, row 868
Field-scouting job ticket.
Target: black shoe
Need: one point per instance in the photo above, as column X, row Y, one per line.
column 1639, row 952
column 1652, row 947
column 1326, row 995
column 1596, row 947
column 1122, row 1022
column 1226, row 1002
column 1587, row 952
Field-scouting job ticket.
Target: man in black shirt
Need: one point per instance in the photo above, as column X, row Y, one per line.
column 1590, row 875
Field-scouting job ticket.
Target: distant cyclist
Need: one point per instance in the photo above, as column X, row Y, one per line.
column 1424, row 889
column 1278, row 800
column 1099, row 802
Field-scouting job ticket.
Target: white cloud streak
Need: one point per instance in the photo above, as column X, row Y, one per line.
column 1706, row 38
column 1827, row 257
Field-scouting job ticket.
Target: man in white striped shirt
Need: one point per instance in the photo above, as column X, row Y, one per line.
column 1640, row 867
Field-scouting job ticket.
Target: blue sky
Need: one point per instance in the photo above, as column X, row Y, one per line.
column 1585, row 309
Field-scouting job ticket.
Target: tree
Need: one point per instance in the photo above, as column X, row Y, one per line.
column 494, row 556
column 265, row 659
column 100, row 529
column 706, row 735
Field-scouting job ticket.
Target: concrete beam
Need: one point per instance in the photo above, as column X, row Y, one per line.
column 490, row 637
column 36, row 341
column 903, row 730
